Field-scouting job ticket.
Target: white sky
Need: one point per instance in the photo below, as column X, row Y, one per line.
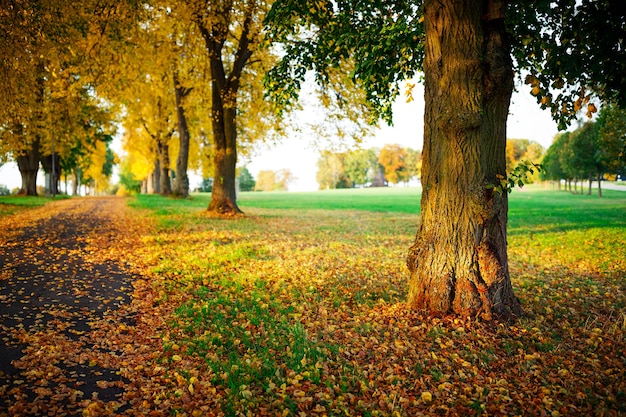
column 526, row 121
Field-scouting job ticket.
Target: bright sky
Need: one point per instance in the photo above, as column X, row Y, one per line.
column 526, row 121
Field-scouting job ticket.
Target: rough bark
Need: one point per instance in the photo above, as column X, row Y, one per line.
column 459, row 262
column 181, row 184
column 224, row 194
column 28, row 165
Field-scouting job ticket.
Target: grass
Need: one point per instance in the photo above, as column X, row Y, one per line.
column 298, row 307
column 13, row 204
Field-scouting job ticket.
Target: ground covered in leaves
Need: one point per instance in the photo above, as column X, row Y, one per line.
column 300, row 312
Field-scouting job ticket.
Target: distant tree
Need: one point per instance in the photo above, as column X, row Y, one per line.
column 611, row 139
column 283, row 178
column 246, row 180
column 128, row 181
column 392, row 159
column 206, row 186
column 413, row 162
column 360, row 166
column 331, row 172
column 551, row 163
column 269, row 180
column 266, row 180
column 518, row 150
column 584, row 153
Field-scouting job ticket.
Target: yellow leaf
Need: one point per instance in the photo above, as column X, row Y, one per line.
column 427, row 396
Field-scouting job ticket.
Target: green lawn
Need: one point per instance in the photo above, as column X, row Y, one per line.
column 13, row 204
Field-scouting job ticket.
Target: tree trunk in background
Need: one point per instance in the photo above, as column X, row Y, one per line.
column 224, row 90
column 28, row 164
column 46, row 163
column 459, row 262
column 75, row 181
column 156, row 177
column 181, row 184
column 599, row 185
column 163, row 150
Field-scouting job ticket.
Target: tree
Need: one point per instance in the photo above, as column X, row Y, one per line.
column 584, row 154
column 266, row 181
column 413, row 161
column 283, row 178
column 48, row 73
column 331, row 173
column 458, row 262
column 269, row 180
column 551, row 163
column 391, row 158
column 611, row 137
column 519, row 150
column 232, row 34
column 128, row 181
column 246, row 180
column 360, row 166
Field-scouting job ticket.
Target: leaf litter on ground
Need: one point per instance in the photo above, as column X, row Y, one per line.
column 301, row 312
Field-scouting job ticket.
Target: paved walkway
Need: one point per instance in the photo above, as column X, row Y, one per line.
column 63, row 295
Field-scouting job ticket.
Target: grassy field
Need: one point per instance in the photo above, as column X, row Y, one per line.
column 297, row 309
column 13, row 204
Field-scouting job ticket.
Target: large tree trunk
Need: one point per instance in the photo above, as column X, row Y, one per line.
column 28, row 165
column 181, row 184
column 599, row 184
column 459, row 262
column 224, row 194
column 224, row 124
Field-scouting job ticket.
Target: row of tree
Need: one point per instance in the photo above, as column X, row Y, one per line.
column 50, row 114
column 183, row 79
column 368, row 167
column 592, row 152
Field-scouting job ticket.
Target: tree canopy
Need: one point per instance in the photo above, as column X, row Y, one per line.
column 593, row 151
column 569, row 50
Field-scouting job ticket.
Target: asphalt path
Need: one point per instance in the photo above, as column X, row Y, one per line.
column 61, row 287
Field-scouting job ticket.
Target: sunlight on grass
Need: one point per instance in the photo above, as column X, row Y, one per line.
column 298, row 307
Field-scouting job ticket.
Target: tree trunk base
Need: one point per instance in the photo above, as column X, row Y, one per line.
column 473, row 283
column 224, row 208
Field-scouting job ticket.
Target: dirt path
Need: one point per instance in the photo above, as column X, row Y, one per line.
column 67, row 316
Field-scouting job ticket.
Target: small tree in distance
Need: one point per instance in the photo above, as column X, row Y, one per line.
column 246, row 180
